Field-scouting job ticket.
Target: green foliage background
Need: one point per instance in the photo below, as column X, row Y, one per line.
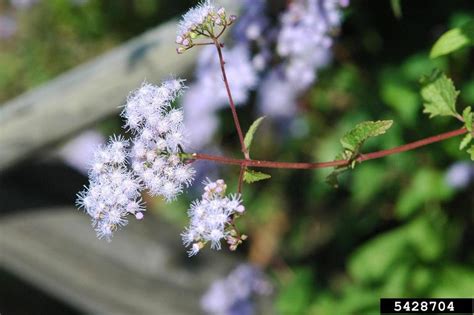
column 55, row 35
column 393, row 228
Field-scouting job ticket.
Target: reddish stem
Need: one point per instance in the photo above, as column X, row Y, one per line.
column 361, row 158
column 231, row 100
column 412, row 145
column 241, row 178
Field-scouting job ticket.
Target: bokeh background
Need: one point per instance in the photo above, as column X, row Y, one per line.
column 398, row 226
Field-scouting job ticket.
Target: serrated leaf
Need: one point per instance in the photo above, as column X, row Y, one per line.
column 465, row 141
column 471, row 151
column 467, row 116
column 251, row 176
column 355, row 138
column 439, row 94
column 453, row 40
column 250, row 133
column 352, row 141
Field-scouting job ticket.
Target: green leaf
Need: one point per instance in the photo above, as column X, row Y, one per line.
column 355, row 138
column 453, row 40
column 367, row 182
column 295, row 297
column 352, row 141
column 249, row 135
column 453, row 280
column 467, row 116
column 374, row 259
column 439, row 95
column 471, row 151
column 402, row 98
column 419, row 193
column 251, row 176
column 465, row 141
column 396, row 8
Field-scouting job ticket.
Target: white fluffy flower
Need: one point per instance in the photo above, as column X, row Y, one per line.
column 159, row 138
column 211, row 218
column 202, row 20
column 113, row 191
column 146, row 105
column 155, row 156
column 195, row 17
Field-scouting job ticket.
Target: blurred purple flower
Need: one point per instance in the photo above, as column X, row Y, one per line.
column 79, row 2
column 302, row 38
column 22, row 4
column 79, row 151
column 304, row 43
column 252, row 23
column 208, row 94
column 276, row 96
column 460, row 174
column 233, row 295
column 8, row 26
column 241, row 75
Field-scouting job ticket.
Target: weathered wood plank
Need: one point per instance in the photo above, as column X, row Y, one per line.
column 144, row 270
column 89, row 93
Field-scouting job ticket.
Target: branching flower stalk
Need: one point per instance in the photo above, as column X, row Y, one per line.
column 318, row 165
column 231, row 100
column 155, row 159
column 203, row 21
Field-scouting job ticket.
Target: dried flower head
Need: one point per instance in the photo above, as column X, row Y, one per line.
column 211, row 219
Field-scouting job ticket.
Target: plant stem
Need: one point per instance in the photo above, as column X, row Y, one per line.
column 316, row 165
column 241, row 178
column 412, row 145
column 231, row 100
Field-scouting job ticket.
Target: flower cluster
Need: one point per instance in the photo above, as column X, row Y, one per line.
column 201, row 20
column 155, row 156
column 212, row 219
column 303, row 45
column 234, row 293
column 113, row 191
column 159, row 138
column 304, row 39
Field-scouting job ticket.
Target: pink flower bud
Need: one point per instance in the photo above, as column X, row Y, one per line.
column 240, row 209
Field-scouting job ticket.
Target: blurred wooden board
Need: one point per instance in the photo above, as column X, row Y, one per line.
column 144, row 270
column 90, row 92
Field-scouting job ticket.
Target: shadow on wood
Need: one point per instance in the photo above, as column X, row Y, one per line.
column 144, row 270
